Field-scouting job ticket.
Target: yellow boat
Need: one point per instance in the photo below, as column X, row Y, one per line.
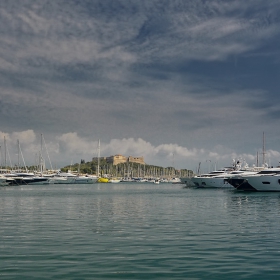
column 102, row 180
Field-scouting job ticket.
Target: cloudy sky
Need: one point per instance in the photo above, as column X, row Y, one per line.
column 178, row 82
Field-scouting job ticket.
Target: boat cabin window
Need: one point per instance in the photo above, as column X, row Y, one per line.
column 266, row 183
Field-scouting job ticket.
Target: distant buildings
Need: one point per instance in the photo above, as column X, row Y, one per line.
column 122, row 159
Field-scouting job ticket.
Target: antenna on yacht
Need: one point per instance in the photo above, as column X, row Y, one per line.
column 198, row 170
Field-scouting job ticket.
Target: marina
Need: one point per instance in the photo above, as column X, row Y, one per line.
column 130, row 140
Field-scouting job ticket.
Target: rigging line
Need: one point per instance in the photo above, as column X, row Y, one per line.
column 1, row 157
column 47, row 152
column 9, row 159
column 22, row 158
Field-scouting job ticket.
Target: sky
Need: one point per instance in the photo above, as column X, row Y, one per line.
column 177, row 82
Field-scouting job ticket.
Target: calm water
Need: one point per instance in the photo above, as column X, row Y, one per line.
column 137, row 231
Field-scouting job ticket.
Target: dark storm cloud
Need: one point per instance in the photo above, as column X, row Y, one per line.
column 151, row 70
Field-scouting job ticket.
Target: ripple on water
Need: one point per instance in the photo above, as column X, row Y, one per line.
column 137, row 232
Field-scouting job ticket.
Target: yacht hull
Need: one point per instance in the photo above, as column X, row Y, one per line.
column 30, row 181
column 210, row 182
column 269, row 183
column 72, row 180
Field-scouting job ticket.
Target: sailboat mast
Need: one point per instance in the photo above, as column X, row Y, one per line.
column 18, row 153
column 5, row 158
column 263, row 149
column 98, row 156
column 41, row 155
column 173, row 170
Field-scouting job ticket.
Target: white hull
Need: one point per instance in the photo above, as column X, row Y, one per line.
column 114, row 181
column 175, row 180
column 85, row 180
column 210, row 182
column 268, row 183
column 72, row 180
column 62, row 180
column 219, row 181
column 261, row 183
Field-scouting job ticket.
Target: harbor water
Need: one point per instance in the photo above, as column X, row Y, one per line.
column 137, row 231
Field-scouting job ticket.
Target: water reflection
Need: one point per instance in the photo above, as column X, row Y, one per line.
column 154, row 232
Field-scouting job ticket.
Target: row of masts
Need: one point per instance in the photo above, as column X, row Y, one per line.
column 41, row 162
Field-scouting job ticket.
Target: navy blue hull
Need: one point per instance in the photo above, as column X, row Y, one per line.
column 241, row 184
column 22, row 181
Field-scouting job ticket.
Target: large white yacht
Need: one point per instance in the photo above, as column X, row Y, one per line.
column 214, row 179
column 218, row 178
column 267, row 180
column 222, row 180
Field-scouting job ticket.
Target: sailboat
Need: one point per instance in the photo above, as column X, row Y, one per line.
column 24, row 178
column 100, row 179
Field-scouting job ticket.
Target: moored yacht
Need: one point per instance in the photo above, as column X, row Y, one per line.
column 267, row 180
column 27, row 179
column 221, row 181
column 114, row 180
column 156, row 181
column 85, row 179
column 218, row 178
column 69, row 178
column 62, row 178
column 4, row 181
column 214, row 179
column 175, row 180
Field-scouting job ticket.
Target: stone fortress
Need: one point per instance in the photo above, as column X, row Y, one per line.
column 116, row 159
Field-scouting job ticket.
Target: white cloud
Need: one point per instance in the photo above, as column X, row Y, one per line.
column 26, row 137
column 74, row 144
column 71, row 148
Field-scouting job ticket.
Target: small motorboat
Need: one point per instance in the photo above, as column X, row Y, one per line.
column 114, row 180
column 156, row 181
column 102, row 180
